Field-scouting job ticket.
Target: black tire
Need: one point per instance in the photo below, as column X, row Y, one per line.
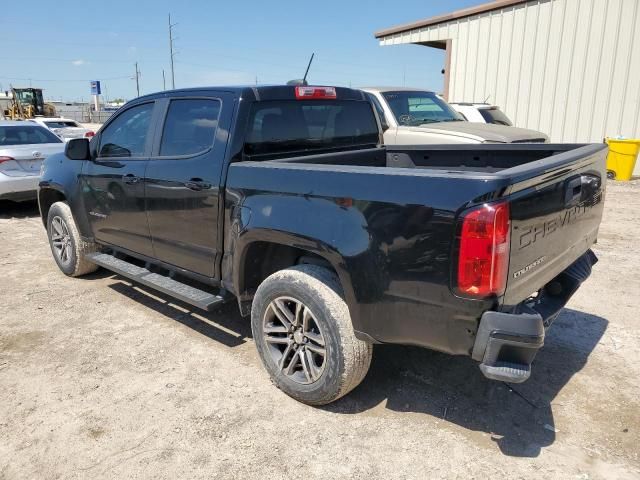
column 345, row 360
column 67, row 247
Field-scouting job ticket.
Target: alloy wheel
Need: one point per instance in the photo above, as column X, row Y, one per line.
column 294, row 339
column 61, row 240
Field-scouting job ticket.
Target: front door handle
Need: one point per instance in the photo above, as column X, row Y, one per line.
column 130, row 179
column 197, row 184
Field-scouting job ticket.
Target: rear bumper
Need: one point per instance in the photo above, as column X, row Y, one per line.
column 18, row 188
column 507, row 342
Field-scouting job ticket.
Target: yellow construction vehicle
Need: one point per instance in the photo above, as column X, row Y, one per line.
column 28, row 103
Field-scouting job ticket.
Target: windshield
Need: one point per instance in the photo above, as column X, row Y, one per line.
column 61, row 124
column 26, row 135
column 24, row 96
column 297, row 126
column 419, row 108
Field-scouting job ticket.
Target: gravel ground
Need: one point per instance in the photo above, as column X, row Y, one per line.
column 102, row 379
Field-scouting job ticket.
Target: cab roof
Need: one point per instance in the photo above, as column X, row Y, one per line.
column 258, row 92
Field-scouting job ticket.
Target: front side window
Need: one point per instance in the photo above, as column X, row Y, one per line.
column 419, row 108
column 190, row 126
column 127, row 135
column 22, row 134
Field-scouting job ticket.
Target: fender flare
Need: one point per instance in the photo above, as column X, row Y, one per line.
column 245, row 239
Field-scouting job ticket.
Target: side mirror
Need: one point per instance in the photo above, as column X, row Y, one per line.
column 77, row 149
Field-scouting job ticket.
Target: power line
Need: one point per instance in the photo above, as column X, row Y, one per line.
column 26, row 79
column 52, row 59
column 327, row 59
column 290, row 70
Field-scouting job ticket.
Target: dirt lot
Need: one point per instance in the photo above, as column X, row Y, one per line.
column 100, row 379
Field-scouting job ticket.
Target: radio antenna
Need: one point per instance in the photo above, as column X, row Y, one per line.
column 304, row 79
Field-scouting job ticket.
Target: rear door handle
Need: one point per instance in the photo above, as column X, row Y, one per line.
column 130, row 179
column 197, row 184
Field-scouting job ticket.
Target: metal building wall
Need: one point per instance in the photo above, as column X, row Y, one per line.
column 570, row 68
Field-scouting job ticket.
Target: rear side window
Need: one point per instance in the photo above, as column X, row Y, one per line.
column 126, row 135
column 495, row 115
column 190, row 126
column 26, row 135
column 298, row 126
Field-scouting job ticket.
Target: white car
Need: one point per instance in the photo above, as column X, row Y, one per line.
column 418, row 117
column 482, row 113
column 23, row 148
column 65, row 128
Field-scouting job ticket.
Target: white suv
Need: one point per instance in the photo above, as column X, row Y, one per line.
column 482, row 113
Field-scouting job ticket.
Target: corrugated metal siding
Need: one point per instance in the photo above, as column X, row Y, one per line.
column 570, row 68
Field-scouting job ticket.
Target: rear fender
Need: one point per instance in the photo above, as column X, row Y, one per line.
column 320, row 226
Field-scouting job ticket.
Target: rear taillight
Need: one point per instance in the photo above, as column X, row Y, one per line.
column 89, row 135
column 6, row 159
column 313, row 93
column 483, row 260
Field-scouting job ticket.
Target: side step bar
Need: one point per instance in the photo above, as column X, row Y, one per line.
column 188, row 294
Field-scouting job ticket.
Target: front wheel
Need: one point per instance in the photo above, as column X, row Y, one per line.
column 67, row 246
column 303, row 333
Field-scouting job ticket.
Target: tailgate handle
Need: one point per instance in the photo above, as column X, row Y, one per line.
column 579, row 189
column 573, row 191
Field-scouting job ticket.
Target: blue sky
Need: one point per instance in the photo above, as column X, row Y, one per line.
column 64, row 44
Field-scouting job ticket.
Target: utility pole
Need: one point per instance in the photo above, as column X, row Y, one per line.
column 173, row 77
column 164, row 84
column 137, row 80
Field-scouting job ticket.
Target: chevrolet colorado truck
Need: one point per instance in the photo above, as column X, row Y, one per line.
column 285, row 199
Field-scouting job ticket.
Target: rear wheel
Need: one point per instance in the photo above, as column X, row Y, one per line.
column 303, row 333
column 67, row 246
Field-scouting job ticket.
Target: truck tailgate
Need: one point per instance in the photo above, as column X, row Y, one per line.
column 555, row 216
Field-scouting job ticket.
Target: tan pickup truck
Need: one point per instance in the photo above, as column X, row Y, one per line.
column 418, row 117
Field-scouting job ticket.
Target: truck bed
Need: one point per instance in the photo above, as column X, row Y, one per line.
column 392, row 216
column 485, row 158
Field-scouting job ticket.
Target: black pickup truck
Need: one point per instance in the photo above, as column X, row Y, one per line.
column 284, row 198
